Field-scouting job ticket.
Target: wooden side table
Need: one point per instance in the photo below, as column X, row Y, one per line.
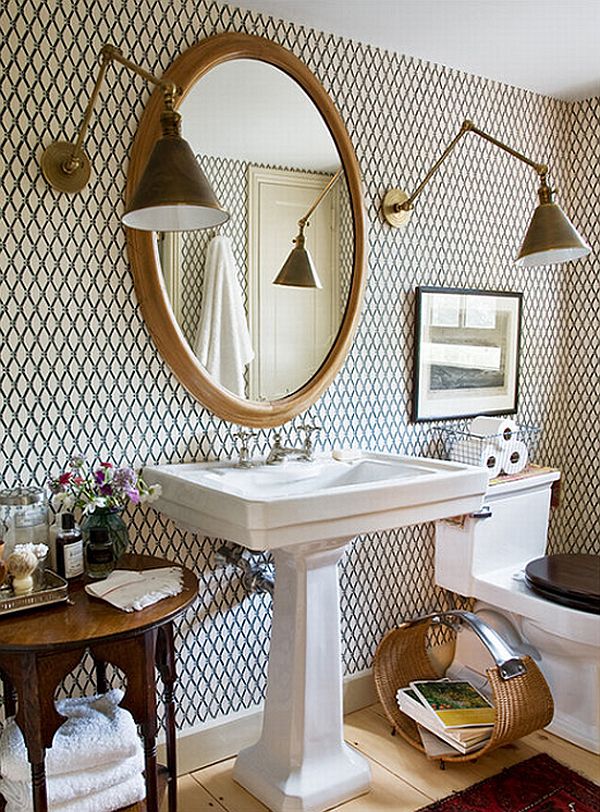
column 39, row 647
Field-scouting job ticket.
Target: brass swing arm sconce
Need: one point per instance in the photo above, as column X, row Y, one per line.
column 550, row 238
column 299, row 270
column 173, row 194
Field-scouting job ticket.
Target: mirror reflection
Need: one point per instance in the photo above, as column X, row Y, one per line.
column 269, row 156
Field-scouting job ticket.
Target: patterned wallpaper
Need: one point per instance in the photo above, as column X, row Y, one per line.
column 79, row 371
column 577, row 528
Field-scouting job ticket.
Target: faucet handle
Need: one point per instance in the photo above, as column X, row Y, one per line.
column 310, row 430
column 245, row 457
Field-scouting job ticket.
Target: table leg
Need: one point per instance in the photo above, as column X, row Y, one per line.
column 38, row 780
column 101, row 683
column 10, row 697
column 36, row 676
column 136, row 657
column 165, row 662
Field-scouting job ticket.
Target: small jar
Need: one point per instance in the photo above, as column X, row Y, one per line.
column 99, row 554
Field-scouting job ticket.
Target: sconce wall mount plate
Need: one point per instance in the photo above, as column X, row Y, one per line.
column 390, row 208
column 62, row 172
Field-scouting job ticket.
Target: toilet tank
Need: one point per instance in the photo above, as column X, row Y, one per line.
column 510, row 530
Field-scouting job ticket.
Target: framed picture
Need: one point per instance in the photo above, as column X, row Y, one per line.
column 466, row 353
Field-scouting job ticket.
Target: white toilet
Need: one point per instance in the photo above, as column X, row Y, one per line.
column 485, row 558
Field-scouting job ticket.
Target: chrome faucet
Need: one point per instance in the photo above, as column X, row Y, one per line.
column 279, row 453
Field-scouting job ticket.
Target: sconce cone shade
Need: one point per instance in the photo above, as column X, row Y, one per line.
column 173, row 193
column 298, row 270
column 551, row 238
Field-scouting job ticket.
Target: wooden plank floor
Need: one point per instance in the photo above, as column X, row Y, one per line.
column 403, row 780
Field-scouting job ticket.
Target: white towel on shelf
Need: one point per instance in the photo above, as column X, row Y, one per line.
column 223, row 343
column 96, row 732
column 114, row 797
column 62, row 789
column 131, row 590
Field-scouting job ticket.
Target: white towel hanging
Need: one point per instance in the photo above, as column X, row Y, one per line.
column 223, row 343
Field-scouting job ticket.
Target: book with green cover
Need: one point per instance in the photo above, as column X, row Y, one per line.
column 463, row 739
column 454, row 703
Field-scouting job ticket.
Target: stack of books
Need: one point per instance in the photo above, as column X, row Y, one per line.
column 460, row 718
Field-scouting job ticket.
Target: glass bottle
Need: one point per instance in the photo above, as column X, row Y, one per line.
column 99, row 553
column 111, row 519
column 69, row 549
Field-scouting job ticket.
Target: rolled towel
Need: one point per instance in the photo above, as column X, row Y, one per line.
column 68, row 787
column 96, row 732
column 131, row 591
column 127, row 792
column 514, row 457
column 497, row 429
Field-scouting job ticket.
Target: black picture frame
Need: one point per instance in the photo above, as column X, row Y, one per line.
column 467, row 347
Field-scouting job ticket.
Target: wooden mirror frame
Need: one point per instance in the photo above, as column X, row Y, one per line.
column 145, row 263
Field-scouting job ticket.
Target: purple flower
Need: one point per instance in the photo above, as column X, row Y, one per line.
column 133, row 494
column 99, row 476
column 124, row 478
column 106, row 490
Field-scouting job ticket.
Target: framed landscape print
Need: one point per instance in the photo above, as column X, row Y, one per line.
column 466, row 353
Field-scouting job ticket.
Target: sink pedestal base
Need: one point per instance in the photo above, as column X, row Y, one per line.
column 301, row 762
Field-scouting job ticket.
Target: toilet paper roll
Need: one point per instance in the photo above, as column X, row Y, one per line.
column 514, row 457
column 478, row 452
column 499, row 429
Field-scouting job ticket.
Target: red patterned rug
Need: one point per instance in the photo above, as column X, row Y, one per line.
column 539, row 784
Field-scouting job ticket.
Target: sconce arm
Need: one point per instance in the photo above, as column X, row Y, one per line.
column 65, row 165
column 303, row 221
column 469, row 127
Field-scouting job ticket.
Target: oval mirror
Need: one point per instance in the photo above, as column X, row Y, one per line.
column 273, row 147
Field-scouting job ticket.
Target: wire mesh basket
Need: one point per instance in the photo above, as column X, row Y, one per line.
column 504, row 453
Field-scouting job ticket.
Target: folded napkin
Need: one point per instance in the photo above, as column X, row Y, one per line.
column 130, row 791
column 96, row 732
column 131, row 590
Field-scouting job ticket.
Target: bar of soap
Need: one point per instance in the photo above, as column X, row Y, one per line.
column 346, row 454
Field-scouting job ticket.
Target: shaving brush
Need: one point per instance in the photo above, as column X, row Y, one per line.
column 22, row 565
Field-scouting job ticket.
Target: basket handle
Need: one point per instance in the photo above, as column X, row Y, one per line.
column 509, row 665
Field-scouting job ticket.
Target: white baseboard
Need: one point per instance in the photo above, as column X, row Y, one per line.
column 199, row 746
column 222, row 738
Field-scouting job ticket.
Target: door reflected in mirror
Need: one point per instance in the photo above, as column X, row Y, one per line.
column 267, row 152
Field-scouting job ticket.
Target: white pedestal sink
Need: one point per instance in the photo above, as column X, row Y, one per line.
column 306, row 513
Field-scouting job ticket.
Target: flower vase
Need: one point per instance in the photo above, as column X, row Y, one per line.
column 111, row 519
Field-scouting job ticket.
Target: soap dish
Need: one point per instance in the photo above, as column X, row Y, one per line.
column 53, row 590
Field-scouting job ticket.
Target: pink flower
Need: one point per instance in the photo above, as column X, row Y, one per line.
column 106, row 464
column 65, row 478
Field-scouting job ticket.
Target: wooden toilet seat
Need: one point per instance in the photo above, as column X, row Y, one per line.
column 569, row 579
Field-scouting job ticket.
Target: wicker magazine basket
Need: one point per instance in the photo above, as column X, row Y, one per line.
column 521, row 695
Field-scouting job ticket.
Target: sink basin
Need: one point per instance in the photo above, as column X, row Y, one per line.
column 274, row 506
column 307, row 513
